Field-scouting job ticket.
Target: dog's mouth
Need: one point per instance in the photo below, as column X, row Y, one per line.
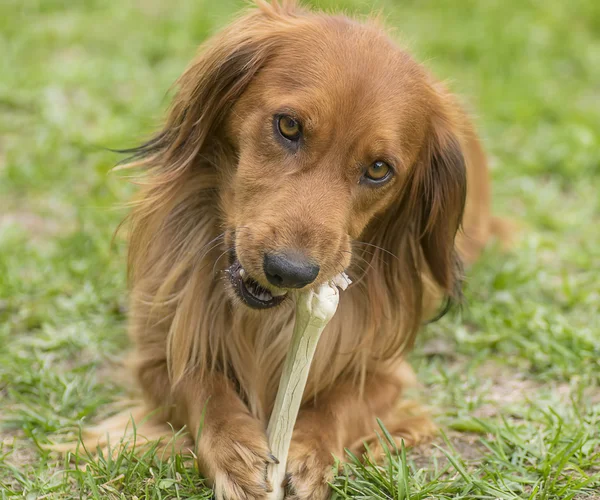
column 250, row 292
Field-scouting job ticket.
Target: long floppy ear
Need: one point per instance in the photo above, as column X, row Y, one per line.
column 420, row 228
column 437, row 195
column 212, row 83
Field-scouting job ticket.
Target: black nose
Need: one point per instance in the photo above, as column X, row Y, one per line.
column 289, row 269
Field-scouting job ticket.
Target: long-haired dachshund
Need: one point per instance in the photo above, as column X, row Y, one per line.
column 298, row 145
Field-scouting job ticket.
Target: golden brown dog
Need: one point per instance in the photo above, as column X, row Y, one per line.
column 298, row 145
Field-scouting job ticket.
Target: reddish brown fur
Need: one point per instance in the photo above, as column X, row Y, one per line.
column 216, row 168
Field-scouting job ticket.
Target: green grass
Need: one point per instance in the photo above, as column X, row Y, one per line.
column 513, row 381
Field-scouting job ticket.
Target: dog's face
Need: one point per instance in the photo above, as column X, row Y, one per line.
column 325, row 135
column 314, row 131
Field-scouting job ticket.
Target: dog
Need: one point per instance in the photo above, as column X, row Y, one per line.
column 298, row 145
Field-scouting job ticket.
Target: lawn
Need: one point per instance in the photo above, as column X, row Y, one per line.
column 513, row 379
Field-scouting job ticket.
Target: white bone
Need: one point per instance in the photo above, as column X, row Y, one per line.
column 314, row 309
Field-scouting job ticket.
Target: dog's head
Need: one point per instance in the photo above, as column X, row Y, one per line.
column 322, row 133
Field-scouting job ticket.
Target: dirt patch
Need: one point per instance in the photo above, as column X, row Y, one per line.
column 508, row 388
column 503, row 392
column 20, row 450
column 467, row 445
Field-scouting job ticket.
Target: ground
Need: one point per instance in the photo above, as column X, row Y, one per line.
column 512, row 379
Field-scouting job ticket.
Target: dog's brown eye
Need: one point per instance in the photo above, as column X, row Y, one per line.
column 289, row 127
column 378, row 171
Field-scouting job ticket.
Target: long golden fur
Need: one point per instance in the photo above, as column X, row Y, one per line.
column 220, row 185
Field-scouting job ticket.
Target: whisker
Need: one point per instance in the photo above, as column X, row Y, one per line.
column 378, row 248
column 214, row 240
column 360, row 279
column 360, row 258
column 368, row 266
column 341, row 268
column 219, row 258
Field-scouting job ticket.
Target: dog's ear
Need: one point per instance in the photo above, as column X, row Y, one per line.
column 206, row 92
column 422, row 224
column 212, row 83
column 437, row 193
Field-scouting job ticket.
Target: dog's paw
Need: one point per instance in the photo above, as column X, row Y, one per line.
column 310, row 470
column 236, row 462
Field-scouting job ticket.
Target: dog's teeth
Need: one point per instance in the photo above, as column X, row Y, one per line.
column 242, row 273
column 278, row 293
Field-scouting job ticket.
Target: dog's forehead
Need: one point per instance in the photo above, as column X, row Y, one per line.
column 334, row 67
column 344, row 57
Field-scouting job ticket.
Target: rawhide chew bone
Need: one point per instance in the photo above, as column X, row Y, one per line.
column 314, row 309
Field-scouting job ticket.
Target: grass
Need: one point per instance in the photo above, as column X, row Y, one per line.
column 514, row 379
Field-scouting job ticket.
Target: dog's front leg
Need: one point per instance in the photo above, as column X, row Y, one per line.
column 340, row 418
column 231, row 444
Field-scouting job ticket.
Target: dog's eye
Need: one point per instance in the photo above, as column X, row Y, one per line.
column 377, row 172
column 289, row 127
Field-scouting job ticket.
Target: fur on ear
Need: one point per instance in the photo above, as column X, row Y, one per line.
column 414, row 247
column 190, row 140
column 438, row 194
column 212, row 83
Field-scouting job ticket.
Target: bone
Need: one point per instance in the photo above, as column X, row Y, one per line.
column 314, row 309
